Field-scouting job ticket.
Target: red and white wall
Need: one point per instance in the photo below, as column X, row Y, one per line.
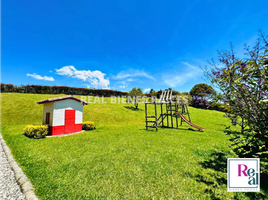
column 65, row 116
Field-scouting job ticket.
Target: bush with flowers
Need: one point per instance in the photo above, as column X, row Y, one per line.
column 244, row 88
column 204, row 103
column 200, row 102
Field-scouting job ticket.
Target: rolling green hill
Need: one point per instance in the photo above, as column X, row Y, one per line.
column 120, row 159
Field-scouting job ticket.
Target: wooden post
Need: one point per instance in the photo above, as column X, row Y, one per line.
column 171, row 114
column 181, row 113
column 162, row 114
column 155, row 116
column 167, row 114
column 189, row 114
column 167, row 95
column 176, row 115
column 161, row 97
column 146, row 116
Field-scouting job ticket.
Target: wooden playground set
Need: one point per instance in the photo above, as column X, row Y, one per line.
column 169, row 110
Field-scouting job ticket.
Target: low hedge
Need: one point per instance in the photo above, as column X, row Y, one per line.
column 36, row 131
column 88, row 125
column 45, row 89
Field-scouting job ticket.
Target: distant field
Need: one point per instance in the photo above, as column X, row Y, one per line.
column 120, row 159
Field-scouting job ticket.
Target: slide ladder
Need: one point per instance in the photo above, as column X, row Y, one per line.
column 188, row 122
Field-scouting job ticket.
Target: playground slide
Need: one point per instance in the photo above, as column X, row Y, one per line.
column 191, row 124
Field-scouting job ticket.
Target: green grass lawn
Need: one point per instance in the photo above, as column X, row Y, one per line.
column 120, row 159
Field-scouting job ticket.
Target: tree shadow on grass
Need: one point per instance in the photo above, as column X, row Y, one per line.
column 217, row 161
column 133, row 108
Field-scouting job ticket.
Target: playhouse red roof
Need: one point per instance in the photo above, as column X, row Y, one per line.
column 62, row 98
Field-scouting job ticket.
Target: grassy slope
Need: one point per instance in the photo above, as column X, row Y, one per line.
column 119, row 160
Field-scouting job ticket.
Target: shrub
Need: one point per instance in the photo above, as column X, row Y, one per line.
column 36, row 131
column 88, row 125
column 200, row 103
column 244, row 88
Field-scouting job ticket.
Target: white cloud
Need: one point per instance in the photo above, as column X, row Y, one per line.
column 180, row 79
column 67, row 70
column 95, row 78
column 38, row 77
column 146, row 90
column 133, row 73
column 124, row 83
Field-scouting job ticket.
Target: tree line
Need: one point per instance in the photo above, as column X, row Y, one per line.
column 45, row 89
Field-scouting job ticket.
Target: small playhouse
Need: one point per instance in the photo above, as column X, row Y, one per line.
column 63, row 115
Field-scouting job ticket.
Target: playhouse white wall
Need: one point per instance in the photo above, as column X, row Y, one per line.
column 68, row 104
column 48, row 108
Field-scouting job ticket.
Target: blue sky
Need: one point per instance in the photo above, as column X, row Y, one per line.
column 122, row 44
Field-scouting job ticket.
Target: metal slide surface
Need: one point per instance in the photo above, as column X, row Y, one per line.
column 191, row 124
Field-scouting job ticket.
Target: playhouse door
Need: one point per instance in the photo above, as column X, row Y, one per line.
column 69, row 121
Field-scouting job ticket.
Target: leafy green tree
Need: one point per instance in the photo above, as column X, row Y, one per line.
column 157, row 94
column 136, row 95
column 152, row 91
column 244, row 88
column 202, row 90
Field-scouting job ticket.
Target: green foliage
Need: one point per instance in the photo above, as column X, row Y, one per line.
column 186, row 96
column 88, row 125
column 2, row 87
column 199, row 102
column 201, row 90
column 136, row 95
column 244, row 87
column 152, row 91
column 36, row 131
column 45, row 89
column 155, row 94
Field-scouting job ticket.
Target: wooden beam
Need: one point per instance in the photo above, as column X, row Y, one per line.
column 146, row 116
column 156, row 117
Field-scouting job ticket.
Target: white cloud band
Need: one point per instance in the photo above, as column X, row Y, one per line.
column 38, row 77
column 133, row 73
column 192, row 72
